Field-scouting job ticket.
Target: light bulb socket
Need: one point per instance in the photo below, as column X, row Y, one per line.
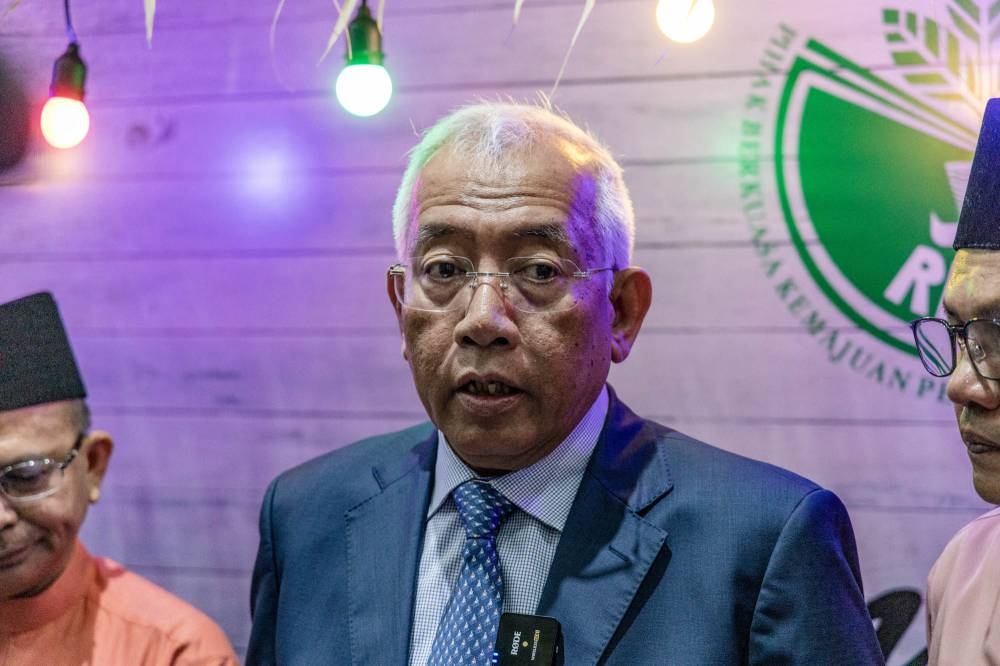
column 365, row 45
column 69, row 74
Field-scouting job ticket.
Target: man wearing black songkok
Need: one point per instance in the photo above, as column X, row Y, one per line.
column 963, row 599
column 59, row 604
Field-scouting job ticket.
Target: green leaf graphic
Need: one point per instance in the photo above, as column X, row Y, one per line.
column 964, row 26
column 970, row 8
column 950, row 62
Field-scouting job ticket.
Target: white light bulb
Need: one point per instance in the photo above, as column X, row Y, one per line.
column 364, row 90
column 65, row 122
column 685, row 21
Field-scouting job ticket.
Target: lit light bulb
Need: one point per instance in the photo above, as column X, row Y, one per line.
column 364, row 87
column 65, row 122
column 364, row 90
column 685, row 21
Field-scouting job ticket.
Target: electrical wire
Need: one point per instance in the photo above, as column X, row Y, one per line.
column 70, row 32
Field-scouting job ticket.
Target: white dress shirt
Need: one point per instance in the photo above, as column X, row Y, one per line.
column 527, row 540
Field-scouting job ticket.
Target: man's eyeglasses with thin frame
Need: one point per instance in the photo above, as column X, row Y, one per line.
column 444, row 283
column 938, row 342
column 31, row 480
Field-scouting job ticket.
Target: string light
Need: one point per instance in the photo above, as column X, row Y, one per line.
column 685, row 21
column 364, row 87
column 65, row 120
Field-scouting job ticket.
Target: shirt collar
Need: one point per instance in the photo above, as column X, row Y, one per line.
column 546, row 489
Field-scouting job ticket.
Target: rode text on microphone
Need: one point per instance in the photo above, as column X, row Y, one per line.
column 532, row 640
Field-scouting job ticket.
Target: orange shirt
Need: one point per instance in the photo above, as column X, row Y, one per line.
column 99, row 614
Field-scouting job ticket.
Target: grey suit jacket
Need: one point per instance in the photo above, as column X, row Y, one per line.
column 674, row 552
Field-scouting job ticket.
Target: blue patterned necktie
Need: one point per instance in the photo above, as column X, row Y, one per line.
column 468, row 626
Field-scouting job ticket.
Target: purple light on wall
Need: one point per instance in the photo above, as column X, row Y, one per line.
column 267, row 178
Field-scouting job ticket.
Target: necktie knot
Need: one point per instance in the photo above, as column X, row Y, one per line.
column 481, row 508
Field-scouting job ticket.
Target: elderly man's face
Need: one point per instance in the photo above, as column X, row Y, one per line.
column 549, row 366
column 37, row 537
column 973, row 290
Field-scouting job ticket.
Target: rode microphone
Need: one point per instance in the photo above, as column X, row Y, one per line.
column 528, row 639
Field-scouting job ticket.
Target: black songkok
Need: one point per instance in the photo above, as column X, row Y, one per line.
column 36, row 362
column 979, row 223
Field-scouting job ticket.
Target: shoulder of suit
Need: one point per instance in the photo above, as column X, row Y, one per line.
column 698, row 464
column 353, row 463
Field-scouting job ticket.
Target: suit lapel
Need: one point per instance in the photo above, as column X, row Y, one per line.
column 607, row 548
column 384, row 537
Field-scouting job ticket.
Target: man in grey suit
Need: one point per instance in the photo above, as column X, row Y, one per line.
column 534, row 489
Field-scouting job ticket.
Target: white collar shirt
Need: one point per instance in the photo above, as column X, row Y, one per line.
column 526, row 542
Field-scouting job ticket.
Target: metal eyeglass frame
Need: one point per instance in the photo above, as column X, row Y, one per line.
column 60, row 466
column 958, row 333
column 472, row 278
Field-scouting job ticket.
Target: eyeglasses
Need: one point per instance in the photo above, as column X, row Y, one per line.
column 31, row 480
column 936, row 343
column 443, row 283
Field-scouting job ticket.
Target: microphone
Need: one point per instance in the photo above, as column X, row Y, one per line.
column 533, row 640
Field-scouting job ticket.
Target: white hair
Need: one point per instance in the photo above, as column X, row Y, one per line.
column 488, row 132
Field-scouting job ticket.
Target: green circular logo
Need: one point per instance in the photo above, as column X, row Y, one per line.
column 871, row 177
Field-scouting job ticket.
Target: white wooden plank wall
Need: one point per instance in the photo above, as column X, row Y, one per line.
column 218, row 246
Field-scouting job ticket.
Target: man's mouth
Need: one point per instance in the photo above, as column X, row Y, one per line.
column 488, row 388
column 978, row 444
column 12, row 556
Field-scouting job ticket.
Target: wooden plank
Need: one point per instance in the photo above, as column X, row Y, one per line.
column 240, row 317
column 329, row 291
column 126, row 18
column 770, row 375
column 807, row 446
column 672, row 121
column 676, row 204
column 670, row 374
column 213, row 533
column 158, row 527
column 357, row 375
column 669, row 121
column 169, row 217
column 869, row 463
column 295, row 292
column 228, row 53
column 236, row 456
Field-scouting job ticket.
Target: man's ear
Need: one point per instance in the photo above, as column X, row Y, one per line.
column 96, row 451
column 390, row 290
column 398, row 308
column 631, row 296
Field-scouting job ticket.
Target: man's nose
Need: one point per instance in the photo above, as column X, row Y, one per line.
column 8, row 516
column 488, row 319
column 967, row 387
